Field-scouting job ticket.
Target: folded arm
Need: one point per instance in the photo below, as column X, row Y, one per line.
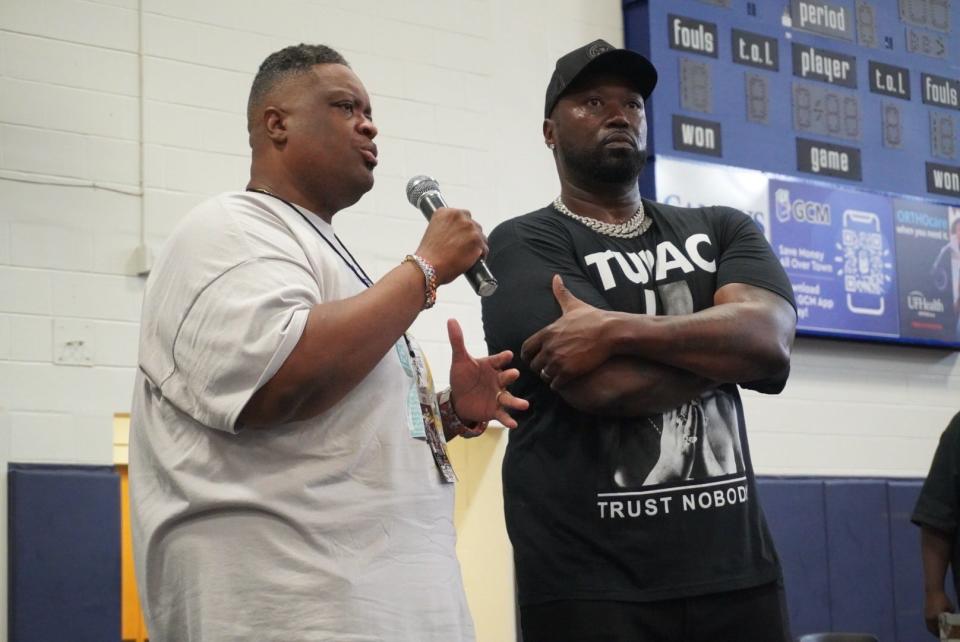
column 631, row 387
column 745, row 336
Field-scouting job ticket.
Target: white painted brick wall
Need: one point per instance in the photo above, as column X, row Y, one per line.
column 96, row 296
column 41, row 59
column 59, row 438
column 39, row 437
column 30, row 338
column 457, row 87
column 74, row 21
column 183, row 83
column 95, row 209
column 25, row 290
column 43, row 151
column 40, row 104
column 186, row 170
column 50, row 246
column 4, row 240
column 213, row 46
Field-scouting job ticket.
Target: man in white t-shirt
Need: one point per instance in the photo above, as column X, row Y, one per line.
column 289, row 480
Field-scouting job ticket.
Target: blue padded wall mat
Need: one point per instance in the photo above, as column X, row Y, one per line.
column 905, row 553
column 64, row 553
column 860, row 566
column 794, row 509
column 851, row 557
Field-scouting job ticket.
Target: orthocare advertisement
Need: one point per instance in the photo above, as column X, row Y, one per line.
column 862, row 265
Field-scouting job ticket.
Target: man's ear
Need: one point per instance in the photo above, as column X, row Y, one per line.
column 549, row 133
column 275, row 124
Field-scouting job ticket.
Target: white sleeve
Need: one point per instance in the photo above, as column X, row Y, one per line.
column 235, row 336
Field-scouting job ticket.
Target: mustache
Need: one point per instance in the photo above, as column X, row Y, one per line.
column 621, row 136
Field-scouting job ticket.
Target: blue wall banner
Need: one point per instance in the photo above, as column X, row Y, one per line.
column 850, row 109
column 863, row 264
column 690, row 184
column 837, row 248
column 927, row 280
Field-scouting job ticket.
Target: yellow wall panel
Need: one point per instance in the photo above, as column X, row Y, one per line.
column 132, row 626
column 486, row 557
column 121, row 438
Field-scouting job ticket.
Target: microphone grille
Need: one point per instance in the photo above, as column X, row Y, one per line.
column 418, row 186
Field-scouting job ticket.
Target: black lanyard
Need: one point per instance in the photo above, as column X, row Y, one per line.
column 354, row 266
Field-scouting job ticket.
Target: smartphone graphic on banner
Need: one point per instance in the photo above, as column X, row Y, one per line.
column 863, row 279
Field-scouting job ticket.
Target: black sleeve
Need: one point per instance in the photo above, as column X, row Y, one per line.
column 746, row 257
column 937, row 505
column 524, row 255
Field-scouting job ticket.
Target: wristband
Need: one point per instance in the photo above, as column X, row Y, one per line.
column 451, row 420
column 429, row 277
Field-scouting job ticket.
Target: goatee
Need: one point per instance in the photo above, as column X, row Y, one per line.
column 606, row 165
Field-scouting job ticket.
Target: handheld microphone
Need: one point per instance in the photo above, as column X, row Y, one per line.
column 423, row 192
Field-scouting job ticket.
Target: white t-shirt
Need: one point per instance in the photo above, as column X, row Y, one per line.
column 335, row 528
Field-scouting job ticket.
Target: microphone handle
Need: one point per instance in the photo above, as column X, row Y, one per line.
column 479, row 276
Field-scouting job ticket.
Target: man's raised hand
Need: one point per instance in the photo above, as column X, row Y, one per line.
column 574, row 344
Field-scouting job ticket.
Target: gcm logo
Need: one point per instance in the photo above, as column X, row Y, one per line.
column 800, row 210
column 782, row 198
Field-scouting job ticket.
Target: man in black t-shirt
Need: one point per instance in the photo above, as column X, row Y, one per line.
column 628, row 487
column 937, row 513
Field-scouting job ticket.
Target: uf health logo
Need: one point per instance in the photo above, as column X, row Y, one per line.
column 799, row 210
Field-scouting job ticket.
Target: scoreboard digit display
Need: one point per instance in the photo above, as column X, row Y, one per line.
column 931, row 14
column 824, row 112
column 848, row 113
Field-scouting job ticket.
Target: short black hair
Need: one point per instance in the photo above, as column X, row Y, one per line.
column 289, row 61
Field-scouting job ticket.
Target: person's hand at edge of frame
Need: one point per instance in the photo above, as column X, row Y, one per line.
column 935, row 603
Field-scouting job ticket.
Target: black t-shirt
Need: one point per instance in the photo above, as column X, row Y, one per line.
column 584, row 520
column 938, row 505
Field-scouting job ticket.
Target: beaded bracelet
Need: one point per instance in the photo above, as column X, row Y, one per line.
column 451, row 419
column 429, row 277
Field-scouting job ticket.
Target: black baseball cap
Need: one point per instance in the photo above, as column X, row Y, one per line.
column 599, row 54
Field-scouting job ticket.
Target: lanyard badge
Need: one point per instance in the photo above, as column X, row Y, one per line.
column 423, row 412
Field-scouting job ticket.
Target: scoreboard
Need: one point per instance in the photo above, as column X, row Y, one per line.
column 848, row 113
column 863, row 91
